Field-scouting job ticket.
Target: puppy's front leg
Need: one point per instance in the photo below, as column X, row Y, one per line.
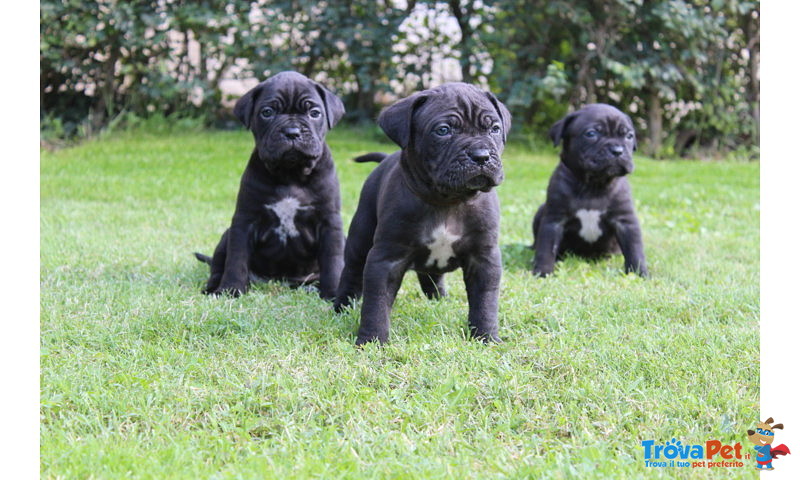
column 383, row 274
column 629, row 237
column 482, row 274
column 548, row 239
column 235, row 278
column 331, row 256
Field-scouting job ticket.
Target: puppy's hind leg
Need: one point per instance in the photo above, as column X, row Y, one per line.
column 432, row 285
column 357, row 247
column 537, row 220
column 217, row 263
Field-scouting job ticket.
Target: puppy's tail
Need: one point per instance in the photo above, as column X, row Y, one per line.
column 371, row 157
column 202, row 258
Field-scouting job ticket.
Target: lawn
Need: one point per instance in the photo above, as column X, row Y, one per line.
column 144, row 377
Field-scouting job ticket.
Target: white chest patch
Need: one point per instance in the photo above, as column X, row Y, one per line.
column 590, row 224
column 286, row 209
column 441, row 247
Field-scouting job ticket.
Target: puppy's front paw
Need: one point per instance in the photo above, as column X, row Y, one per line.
column 485, row 337
column 542, row 272
column 328, row 296
column 371, row 333
column 640, row 269
column 340, row 303
column 365, row 339
column 230, row 290
column 543, row 267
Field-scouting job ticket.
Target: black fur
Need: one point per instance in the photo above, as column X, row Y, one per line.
column 290, row 174
column 439, row 186
column 590, row 184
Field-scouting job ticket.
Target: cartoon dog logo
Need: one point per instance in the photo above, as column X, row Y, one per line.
column 763, row 437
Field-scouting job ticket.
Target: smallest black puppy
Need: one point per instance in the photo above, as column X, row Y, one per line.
column 589, row 208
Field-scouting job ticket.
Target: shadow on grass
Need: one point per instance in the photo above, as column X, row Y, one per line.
column 163, row 303
column 519, row 257
column 516, row 256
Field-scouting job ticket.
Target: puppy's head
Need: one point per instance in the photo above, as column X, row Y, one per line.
column 599, row 141
column 289, row 115
column 452, row 137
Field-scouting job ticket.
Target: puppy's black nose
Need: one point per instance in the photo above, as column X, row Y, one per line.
column 292, row 133
column 479, row 155
column 617, row 150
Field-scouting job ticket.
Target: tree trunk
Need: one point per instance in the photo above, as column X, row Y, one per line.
column 106, row 105
column 365, row 99
column 203, row 67
column 754, row 95
column 465, row 43
column 655, row 128
column 583, row 91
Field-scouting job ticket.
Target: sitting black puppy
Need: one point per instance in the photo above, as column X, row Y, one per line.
column 589, row 208
column 286, row 225
column 430, row 207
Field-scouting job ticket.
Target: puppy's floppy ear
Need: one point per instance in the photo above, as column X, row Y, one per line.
column 502, row 111
column 779, row 426
column 396, row 120
column 556, row 132
column 244, row 106
column 334, row 108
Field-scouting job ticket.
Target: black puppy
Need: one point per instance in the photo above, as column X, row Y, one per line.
column 589, row 208
column 430, row 207
column 286, row 225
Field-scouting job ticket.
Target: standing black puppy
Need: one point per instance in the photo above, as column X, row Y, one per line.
column 286, row 225
column 589, row 207
column 431, row 207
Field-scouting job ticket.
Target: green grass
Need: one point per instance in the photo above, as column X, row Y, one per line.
column 144, row 377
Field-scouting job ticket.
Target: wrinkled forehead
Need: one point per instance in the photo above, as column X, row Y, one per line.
column 601, row 116
column 457, row 103
column 287, row 91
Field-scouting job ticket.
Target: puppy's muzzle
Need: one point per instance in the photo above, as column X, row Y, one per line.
column 291, row 133
column 486, row 172
column 480, row 155
column 610, row 161
column 290, row 147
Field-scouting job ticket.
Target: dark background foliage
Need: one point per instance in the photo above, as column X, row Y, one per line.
column 685, row 70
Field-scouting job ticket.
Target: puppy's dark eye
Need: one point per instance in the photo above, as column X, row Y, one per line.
column 442, row 130
column 495, row 128
column 629, row 136
column 315, row 113
column 591, row 134
column 267, row 112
